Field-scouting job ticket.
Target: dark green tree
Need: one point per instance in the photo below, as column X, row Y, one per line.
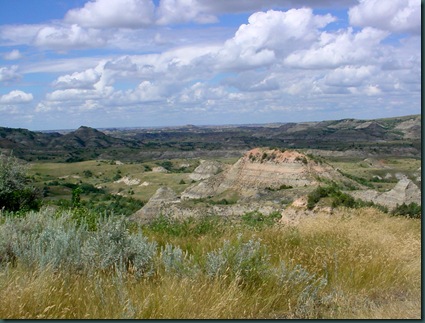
column 16, row 190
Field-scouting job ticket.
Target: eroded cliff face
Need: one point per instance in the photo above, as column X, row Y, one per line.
column 404, row 192
column 163, row 198
column 261, row 169
column 206, row 169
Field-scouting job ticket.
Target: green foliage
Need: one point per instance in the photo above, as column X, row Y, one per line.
column 16, row 191
column 187, row 227
column 412, row 210
column 357, row 179
column 166, row 164
column 302, row 159
column 281, row 187
column 338, row 198
column 117, row 176
column 76, row 197
column 87, row 173
column 113, row 204
column 257, row 219
column 85, row 217
column 222, row 202
column 322, row 191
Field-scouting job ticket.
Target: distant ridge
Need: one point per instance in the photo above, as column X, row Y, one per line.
column 399, row 136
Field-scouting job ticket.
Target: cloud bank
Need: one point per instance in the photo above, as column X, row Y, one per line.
column 176, row 62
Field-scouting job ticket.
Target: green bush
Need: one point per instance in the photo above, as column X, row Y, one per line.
column 186, row 227
column 338, row 199
column 412, row 210
column 257, row 219
column 16, row 191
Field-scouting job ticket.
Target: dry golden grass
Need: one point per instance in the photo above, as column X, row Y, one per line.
column 372, row 262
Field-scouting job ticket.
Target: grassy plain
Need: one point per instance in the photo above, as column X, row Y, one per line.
column 355, row 264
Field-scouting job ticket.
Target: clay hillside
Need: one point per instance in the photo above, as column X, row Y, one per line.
column 261, row 169
column 263, row 179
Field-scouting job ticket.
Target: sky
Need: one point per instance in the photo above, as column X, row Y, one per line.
column 142, row 63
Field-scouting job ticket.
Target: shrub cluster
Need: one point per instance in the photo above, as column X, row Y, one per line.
column 52, row 240
column 412, row 210
column 46, row 239
column 339, row 198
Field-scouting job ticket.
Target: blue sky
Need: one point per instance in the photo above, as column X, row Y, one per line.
column 129, row 63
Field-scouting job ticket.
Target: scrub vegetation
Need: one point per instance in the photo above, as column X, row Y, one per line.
column 359, row 263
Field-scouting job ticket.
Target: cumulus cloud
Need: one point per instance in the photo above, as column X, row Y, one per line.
column 394, row 15
column 336, row 49
column 79, row 80
column 16, row 97
column 272, row 34
column 8, row 74
column 64, row 37
column 349, row 76
column 146, row 91
column 113, row 13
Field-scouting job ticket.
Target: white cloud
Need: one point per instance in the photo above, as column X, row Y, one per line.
column 271, row 35
column 337, row 49
column 13, row 55
column 255, row 80
column 16, row 97
column 146, row 91
column 79, row 80
column 113, row 13
column 394, row 15
column 349, row 76
column 207, row 11
column 11, row 35
column 8, row 74
column 201, row 92
column 64, row 37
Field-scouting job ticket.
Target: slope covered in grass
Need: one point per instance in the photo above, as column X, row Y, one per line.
column 354, row 264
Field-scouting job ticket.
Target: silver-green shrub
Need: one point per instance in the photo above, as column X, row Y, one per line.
column 112, row 245
column 246, row 260
column 177, row 262
column 48, row 239
column 310, row 288
column 41, row 239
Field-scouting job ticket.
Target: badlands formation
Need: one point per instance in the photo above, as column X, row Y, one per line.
column 263, row 180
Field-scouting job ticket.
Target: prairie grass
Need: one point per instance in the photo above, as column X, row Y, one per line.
column 356, row 263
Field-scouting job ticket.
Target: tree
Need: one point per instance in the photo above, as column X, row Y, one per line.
column 16, row 191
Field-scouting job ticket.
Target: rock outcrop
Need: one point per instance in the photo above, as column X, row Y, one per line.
column 128, row 181
column 162, row 199
column 159, row 169
column 298, row 209
column 261, row 169
column 206, row 169
column 405, row 191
